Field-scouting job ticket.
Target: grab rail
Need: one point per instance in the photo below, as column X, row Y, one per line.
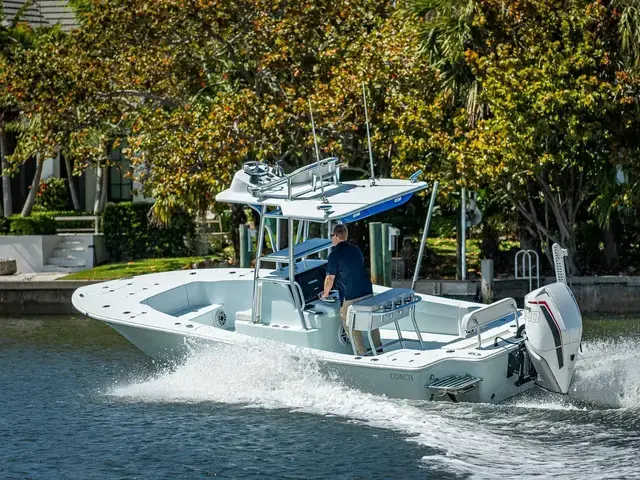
column 482, row 316
column 526, row 254
column 95, row 219
column 297, row 296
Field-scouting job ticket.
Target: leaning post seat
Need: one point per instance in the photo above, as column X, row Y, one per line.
column 380, row 310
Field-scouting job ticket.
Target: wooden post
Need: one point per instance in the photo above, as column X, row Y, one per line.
column 375, row 245
column 245, row 257
column 386, row 255
column 487, row 280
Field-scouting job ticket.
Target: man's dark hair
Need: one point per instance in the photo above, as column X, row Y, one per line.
column 340, row 231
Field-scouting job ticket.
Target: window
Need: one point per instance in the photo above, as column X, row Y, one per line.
column 120, row 187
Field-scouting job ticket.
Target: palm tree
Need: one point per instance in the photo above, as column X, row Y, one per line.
column 447, row 32
column 629, row 30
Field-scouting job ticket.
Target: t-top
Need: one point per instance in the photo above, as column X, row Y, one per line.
column 347, row 264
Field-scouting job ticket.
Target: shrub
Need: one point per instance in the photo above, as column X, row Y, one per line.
column 5, row 223
column 53, row 194
column 33, row 225
column 129, row 234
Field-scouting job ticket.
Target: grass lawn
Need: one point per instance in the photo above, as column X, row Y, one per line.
column 442, row 259
column 112, row 271
column 440, row 263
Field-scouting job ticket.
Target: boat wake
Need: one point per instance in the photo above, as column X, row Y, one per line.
column 543, row 435
column 608, row 374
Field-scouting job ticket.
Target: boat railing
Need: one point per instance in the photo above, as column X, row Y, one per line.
column 329, row 172
column 296, row 293
column 527, row 273
column 475, row 319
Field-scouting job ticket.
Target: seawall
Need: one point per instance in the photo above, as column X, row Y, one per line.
column 38, row 297
column 616, row 295
column 607, row 294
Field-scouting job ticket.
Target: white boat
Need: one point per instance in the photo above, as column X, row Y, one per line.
column 434, row 348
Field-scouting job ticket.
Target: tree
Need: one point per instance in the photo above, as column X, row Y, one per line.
column 14, row 37
column 64, row 109
column 201, row 87
column 561, row 111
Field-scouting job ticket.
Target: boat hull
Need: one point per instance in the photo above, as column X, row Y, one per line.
column 407, row 383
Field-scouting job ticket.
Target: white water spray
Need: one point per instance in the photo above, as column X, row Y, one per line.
column 608, row 374
column 469, row 439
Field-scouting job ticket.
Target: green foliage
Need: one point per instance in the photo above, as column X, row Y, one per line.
column 5, row 223
column 129, row 233
column 443, row 226
column 53, row 194
column 535, row 100
column 37, row 224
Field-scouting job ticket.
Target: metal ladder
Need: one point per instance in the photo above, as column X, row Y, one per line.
column 525, row 273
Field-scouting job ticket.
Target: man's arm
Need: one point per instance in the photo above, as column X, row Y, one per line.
column 332, row 269
column 328, row 285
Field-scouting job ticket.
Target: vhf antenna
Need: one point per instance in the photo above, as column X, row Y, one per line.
column 366, row 116
column 315, row 141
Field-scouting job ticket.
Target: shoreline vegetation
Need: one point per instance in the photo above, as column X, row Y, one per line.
column 112, row 271
column 441, row 260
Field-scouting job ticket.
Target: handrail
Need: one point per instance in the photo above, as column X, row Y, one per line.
column 526, row 254
column 296, row 293
column 260, row 190
column 81, row 218
column 487, row 314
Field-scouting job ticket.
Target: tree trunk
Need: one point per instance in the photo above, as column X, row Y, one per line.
column 101, row 189
column 105, row 189
column 72, row 186
column 35, row 184
column 459, row 243
column 611, row 257
column 7, row 206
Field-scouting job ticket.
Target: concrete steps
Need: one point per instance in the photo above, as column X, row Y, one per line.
column 59, row 269
column 68, row 256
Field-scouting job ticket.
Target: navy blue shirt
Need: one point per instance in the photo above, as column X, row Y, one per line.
column 347, row 264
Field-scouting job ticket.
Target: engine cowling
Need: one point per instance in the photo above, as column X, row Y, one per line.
column 553, row 334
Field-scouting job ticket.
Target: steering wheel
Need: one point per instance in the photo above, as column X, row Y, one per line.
column 333, row 297
column 253, row 167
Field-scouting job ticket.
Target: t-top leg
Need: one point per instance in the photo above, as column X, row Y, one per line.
column 399, row 333
column 415, row 325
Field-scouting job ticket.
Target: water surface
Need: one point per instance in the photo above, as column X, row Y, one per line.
column 77, row 401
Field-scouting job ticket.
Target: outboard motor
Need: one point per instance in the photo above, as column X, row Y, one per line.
column 553, row 334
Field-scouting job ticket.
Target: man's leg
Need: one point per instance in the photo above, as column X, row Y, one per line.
column 356, row 337
column 375, row 335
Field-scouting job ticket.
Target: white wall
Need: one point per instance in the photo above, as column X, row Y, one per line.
column 90, row 188
column 29, row 251
column 51, row 167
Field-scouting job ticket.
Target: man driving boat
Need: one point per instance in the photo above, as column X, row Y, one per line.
column 346, row 272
